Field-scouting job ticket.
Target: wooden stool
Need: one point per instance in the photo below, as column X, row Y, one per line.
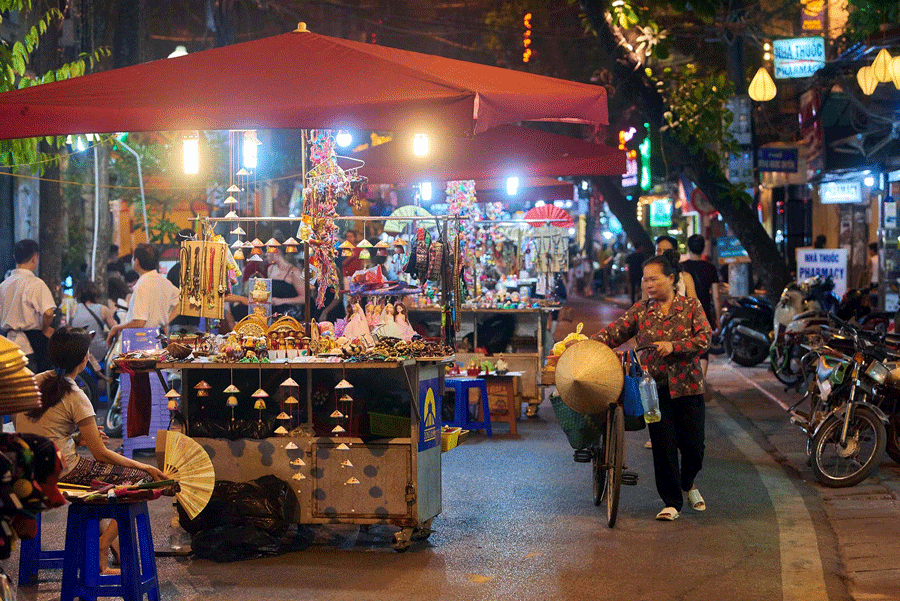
column 502, row 392
column 81, row 572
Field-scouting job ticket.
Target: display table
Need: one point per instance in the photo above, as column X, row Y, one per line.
column 524, row 358
column 393, row 481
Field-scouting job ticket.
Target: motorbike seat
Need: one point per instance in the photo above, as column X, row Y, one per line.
column 826, row 367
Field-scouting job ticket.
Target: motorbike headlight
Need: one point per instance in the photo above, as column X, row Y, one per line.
column 878, row 372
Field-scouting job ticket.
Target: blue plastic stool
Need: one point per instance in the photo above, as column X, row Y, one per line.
column 81, row 572
column 461, row 388
column 32, row 558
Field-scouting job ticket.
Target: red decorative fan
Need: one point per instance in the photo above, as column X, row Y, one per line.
column 549, row 215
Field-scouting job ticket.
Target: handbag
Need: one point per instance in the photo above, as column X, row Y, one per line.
column 631, row 392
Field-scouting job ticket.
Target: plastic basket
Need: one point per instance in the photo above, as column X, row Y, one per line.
column 449, row 439
column 389, row 426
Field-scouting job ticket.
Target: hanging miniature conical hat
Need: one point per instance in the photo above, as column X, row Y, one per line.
column 589, row 377
column 290, row 382
column 291, row 401
column 232, row 389
column 173, row 394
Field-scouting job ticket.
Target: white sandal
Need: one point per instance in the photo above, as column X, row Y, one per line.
column 669, row 514
column 696, row 501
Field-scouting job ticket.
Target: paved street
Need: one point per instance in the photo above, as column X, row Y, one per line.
column 518, row 523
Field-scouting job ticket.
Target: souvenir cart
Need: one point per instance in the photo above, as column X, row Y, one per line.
column 347, row 413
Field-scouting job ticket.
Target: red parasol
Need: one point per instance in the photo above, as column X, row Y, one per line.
column 299, row 80
column 549, row 215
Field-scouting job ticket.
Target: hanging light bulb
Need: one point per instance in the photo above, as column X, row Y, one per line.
column 420, row 145
column 895, row 71
column 882, row 66
column 762, row 87
column 867, row 81
column 192, row 154
column 249, row 150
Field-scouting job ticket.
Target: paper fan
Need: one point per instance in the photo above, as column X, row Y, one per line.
column 190, row 466
column 398, row 225
column 549, row 215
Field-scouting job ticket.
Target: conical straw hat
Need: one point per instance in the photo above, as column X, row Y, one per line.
column 589, row 377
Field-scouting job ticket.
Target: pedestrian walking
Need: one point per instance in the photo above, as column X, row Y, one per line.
column 706, row 284
column 635, row 263
column 678, row 329
column 27, row 306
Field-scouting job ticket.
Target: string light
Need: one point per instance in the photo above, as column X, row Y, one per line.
column 526, row 38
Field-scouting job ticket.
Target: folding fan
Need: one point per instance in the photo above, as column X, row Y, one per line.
column 556, row 216
column 189, row 465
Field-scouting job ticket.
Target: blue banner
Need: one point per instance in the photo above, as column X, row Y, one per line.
column 429, row 411
column 785, row 160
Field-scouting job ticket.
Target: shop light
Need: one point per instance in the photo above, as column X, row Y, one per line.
column 767, row 56
column 249, row 150
column 869, row 181
column 558, row 204
column 608, row 235
column 192, row 154
column 420, row 145
column 512, row 186
column 762, row 87
column 881, row 67
column 571, row 231
column 425, row 191
column 584, row 184
column 767, row 46
column 539, row 203
column 343, row 139
column 179, row 51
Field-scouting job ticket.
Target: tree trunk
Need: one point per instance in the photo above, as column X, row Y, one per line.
column 624, row 210
column 707, row 175
column 104, row 219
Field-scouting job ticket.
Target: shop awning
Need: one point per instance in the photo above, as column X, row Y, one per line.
column 299, row 80
column 506, row 151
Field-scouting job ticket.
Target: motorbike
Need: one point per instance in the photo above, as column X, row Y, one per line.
column 799, row 315
column 746, row 327
column 846, row 426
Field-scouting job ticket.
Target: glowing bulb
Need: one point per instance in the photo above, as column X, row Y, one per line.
column 767, row 56
column 584, row 184
column 869, row 181
column 251, row 158
column 512, row 186
column 767, row 46
column 425, row 191
column 343, row 139
column 571, row 231
column 539, row 203
column 192, row 155
column 179, row 51
column 420, row 145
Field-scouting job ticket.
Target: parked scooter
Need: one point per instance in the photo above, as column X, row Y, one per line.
column 746, row 329
column 845, row 424
column 799, row 317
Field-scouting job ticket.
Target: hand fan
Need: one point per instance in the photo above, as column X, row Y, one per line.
column 188, row 464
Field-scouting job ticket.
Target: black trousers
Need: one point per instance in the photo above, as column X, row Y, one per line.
column 681, row 430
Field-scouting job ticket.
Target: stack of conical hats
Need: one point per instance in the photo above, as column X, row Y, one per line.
column 18, row 391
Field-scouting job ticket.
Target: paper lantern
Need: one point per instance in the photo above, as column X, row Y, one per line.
column 762, row 87
column 895, row 71
column 881, row 67
column 867, row 81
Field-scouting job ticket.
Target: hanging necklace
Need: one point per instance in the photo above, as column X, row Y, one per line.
column 223, row 282
column 195, row 279
column 210, row 290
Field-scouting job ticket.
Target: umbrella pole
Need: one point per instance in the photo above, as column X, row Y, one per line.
column 306, row 286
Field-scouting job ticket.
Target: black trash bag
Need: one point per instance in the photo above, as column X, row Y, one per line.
column 234, row 543
column 266, row 503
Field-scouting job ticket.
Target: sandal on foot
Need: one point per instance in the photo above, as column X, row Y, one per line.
column 669, row 514
column 696, row 501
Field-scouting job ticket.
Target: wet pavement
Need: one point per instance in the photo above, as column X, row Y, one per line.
column 518, row 522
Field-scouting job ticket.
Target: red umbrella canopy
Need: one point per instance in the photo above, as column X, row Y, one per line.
column 298, row 80
column 549, row 215
column 504, row 151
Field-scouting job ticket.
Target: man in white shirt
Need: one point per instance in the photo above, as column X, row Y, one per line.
column 27, row 306
column 154, row 299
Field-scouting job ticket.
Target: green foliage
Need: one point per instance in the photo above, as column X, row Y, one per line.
column 866, row 16
column 16, row 73
column 697, row 112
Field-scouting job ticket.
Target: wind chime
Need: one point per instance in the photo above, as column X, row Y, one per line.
column 231, row 390
column 172, row 405
column 260, row 395
column 289, row 384
column 345, row 402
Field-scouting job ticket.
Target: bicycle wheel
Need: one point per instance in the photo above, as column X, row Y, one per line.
column 598, row 456
column 615, row 451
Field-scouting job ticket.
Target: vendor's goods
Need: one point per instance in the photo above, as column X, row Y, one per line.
column 189, row 465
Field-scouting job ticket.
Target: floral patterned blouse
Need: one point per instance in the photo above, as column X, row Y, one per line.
column 686, row 327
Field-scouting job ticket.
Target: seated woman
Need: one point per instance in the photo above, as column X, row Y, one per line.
column 67, row 418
